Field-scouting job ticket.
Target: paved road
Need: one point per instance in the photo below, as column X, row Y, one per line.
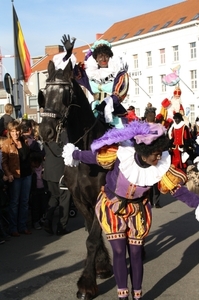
column 43, row 267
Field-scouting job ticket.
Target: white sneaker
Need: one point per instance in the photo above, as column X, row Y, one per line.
column 37, row 226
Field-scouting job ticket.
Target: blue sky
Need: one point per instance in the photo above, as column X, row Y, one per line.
column 43, row 22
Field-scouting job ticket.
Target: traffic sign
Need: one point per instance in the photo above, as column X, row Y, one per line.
column 36, row 82
column 8, row 84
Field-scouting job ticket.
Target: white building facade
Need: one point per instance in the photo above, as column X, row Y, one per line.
column 151, row 56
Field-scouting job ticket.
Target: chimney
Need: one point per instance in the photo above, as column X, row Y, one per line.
column 52, row 50
column 99, row 36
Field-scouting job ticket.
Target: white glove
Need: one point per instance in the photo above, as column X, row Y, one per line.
column 67, row 154
column 108, row 109
column 184, row 157
column 197, row 213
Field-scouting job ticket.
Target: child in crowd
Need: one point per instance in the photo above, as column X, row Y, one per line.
column 39, row 192
column 5, row 119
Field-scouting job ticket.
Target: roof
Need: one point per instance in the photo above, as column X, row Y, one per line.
column 167, row 17
column 164, row 18
column 41, row 64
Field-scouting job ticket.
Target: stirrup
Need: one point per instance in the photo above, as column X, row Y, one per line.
column 62, row 185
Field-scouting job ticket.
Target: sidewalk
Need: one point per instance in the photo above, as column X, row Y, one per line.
column 44, row 267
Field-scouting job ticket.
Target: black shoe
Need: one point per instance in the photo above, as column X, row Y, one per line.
column 48, row 226
column 62, row 231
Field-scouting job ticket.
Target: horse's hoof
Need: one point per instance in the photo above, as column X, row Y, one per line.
column 84, row 296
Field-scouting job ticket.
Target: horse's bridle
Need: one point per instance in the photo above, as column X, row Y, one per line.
column 51, row 113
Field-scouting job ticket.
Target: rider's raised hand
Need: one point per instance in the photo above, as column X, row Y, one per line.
column 68, row 45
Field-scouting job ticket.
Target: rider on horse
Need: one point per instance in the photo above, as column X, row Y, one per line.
column 103, row 75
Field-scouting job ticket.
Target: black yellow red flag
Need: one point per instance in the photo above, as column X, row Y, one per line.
column 21, row 51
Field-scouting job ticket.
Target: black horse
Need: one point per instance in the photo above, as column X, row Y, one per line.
column 66, row 106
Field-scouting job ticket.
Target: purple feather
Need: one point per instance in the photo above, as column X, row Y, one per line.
column 116, row 135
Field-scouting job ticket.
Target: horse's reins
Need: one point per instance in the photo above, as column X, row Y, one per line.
column 86, row 131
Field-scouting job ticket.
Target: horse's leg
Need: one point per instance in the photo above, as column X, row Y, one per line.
column 85, row 210
column 102, row 262
column 87, row 285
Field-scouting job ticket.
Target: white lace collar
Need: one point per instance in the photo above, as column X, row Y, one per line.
column 179, row 125
column 141, row 176
column 93, row 72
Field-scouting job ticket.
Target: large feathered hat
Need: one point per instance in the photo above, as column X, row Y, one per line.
column 141, row 132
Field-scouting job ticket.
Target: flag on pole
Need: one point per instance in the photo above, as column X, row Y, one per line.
column 21, row 51
column 173, row 78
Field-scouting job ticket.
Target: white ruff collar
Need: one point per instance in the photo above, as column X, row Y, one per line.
column 93, row 72
column 141, row 176
column 179, row 125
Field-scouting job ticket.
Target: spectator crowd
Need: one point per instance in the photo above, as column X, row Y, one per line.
column 29, row 183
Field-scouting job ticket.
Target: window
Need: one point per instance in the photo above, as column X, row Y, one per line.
column 180, row 21
column 137, row 112
column 192, row 114
column 194, row 79
column 135, row 61
column 153, row 28
column 123, row 37
column 137, row 90
column 149, row 59
column 162, row 56
column 193, row 49
column 112, row 39
column 166, row 24
column 1, row 108
column 150, row 85
column 175, row 53
column 33, row 101
column 195, row 17
column 138, row 32
column 163, row 86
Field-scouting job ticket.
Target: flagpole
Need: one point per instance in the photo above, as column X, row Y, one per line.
column 185, row 84
column 140, row 87
column 16, row 90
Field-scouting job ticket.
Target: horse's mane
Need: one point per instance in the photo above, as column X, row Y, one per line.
column 81, row 119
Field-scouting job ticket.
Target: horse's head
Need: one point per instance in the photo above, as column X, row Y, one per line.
column 66, row 106
column 55, row 100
